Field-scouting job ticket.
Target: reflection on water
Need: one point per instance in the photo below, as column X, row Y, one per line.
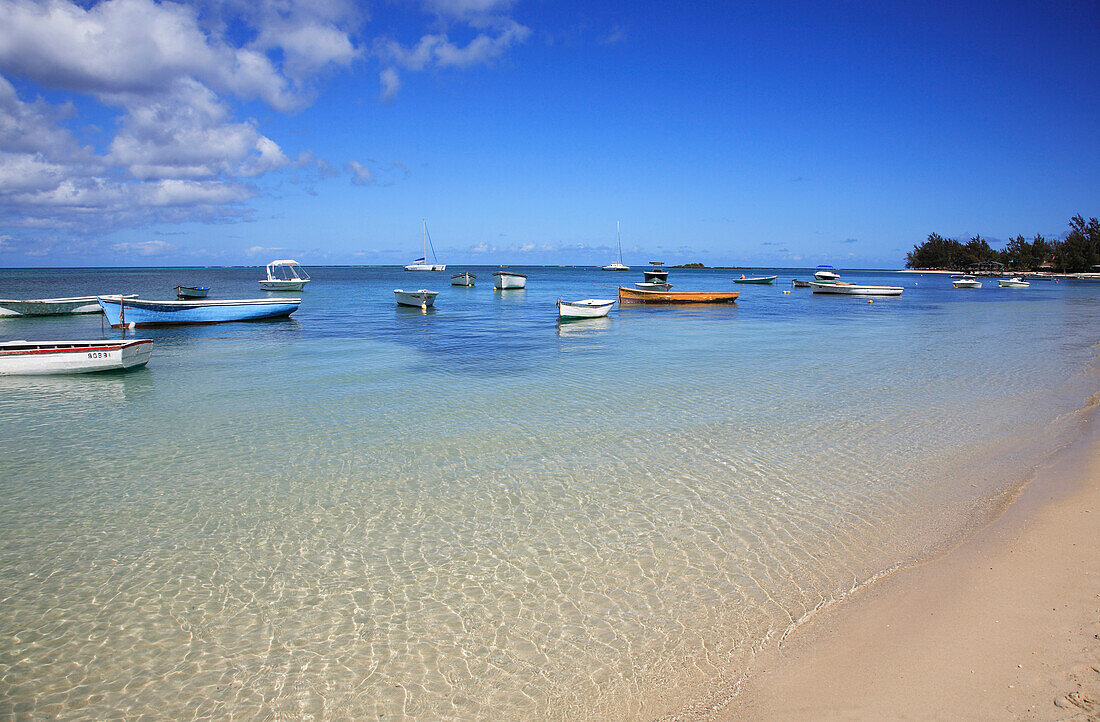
column 479, row 513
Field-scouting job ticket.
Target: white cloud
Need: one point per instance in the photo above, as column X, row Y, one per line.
column 391, row 83
column 144, row 248
column 360, row 174
column 261, row 251
column 527, row 247
column 438, row 50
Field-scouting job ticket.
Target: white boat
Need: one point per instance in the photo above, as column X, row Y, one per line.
column 826, row 273
column 52, row 306
column 585, row 308
column 463, row 279
column 422, row 298
column 72, row 357
column 192, row 291
column 966, row 282
column 421, row 264
column 617, row 265
column 286, row 275
column 1014, row 282
column 509, row 279
column 854, row 289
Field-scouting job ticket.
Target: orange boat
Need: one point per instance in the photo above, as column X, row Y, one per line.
column 637, row 295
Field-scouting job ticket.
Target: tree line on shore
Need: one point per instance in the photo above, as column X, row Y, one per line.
column 1078, row 252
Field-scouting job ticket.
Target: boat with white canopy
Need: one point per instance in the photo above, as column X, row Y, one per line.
column 285, row 275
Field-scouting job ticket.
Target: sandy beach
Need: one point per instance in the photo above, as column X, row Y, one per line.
column 1005, row 626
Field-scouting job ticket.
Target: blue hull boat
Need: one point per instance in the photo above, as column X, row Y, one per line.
column 131, row 313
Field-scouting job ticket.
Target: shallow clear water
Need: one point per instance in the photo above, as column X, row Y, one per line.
column 472, row 512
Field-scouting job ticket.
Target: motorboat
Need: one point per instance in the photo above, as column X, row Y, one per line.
column 585, row 308
column 966, row 282
column 800, row 284
column 1014, row 282
column 421, row 264
column 826, row 273
column 192, row 291
column 421, row 298
column 463, row 279
column 638, row 295
column 72, row 357
column 855, row 289
column 761, row 280
column 617, row 265
column 285, row 275
column 52, row 306
column 132, row 313
column 509, row 279
column 655, row 280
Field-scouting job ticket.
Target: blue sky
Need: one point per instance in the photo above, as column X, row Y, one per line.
column 224, row 133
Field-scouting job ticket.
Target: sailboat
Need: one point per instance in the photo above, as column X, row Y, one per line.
column 618, row 265
column 421, row 263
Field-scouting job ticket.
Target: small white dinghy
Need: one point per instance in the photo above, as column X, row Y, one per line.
column 966, row 282
column 854, row 289
column 422, row 298
column 585, row 308
column 503, row 280
column 52, row 306
column 72, row 357
column 1014, row 282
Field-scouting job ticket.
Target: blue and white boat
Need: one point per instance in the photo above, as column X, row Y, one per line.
column 131, row 313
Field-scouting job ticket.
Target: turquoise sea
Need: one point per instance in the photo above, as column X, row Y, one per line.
column 474, row 513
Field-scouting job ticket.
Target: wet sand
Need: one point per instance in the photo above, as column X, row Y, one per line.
column 1005, row 626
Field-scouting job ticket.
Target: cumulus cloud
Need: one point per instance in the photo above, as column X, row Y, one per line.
column 144, row 248
column 360, row 174
column 174, row 76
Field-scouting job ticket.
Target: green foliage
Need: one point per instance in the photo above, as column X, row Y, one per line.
column 1080, row 251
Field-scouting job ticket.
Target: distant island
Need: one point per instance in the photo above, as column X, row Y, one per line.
column 689, row 265
column 1078, row 253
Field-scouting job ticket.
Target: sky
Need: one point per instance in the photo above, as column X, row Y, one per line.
column 142, row 133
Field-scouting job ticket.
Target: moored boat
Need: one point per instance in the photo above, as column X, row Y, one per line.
column 509, row 279
column 463, row 279
column 285, row 275
column 800, row 284
column 855, row 289
column 966, row 282
column 637, row 295
column 421, row 264
column 421, row 298
column 826, row 273
column 52, row 306
column 761, row 280
column 72, row 357
column 131, row 313
column 655, row 280
column 585, row 308
column 617, row 265
column 192, row 291
column 1014, row 282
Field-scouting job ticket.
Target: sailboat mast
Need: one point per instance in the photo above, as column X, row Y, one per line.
column 618, row 242
column 424, row 238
